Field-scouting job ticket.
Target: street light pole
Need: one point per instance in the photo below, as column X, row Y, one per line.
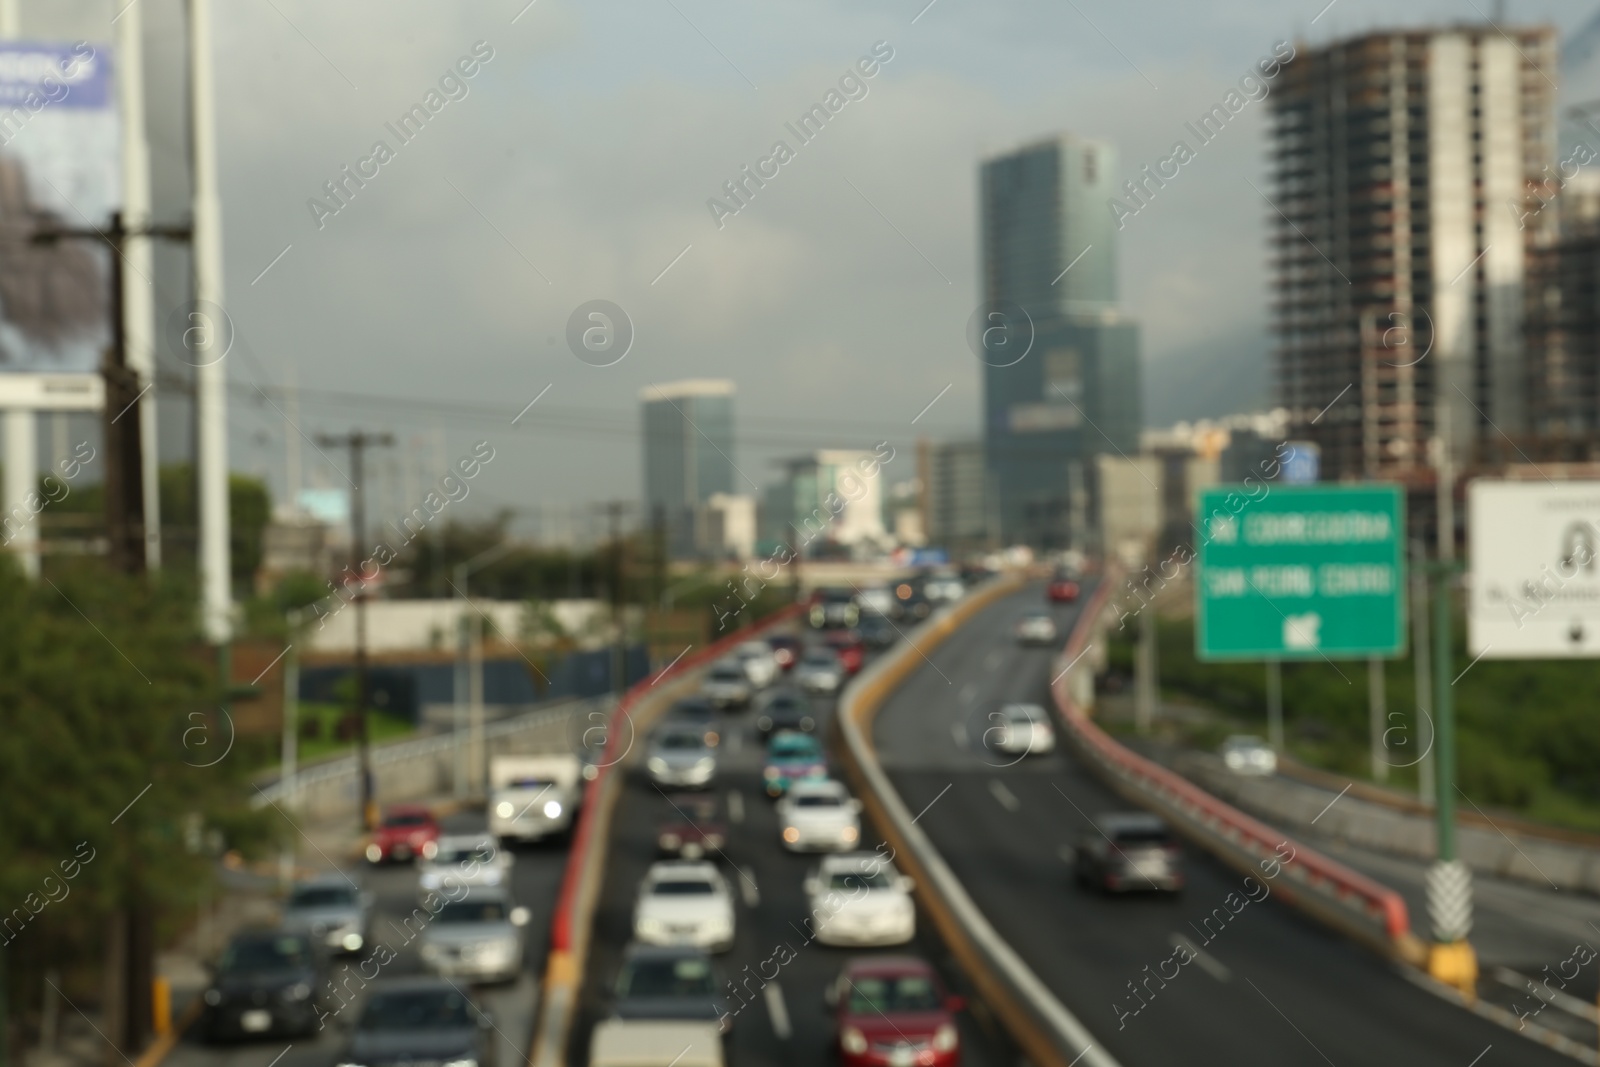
column 1451, row 958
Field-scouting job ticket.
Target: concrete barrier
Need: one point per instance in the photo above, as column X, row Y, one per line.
column 424, row 766
column 1049, row 1034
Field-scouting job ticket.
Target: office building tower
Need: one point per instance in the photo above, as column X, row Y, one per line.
column 688, row 454
column 1049, row 274
column 1405, row 168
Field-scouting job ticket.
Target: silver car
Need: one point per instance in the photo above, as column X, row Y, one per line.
column 478, row 937
column 727, row 684
column 679, row 757
column 332, row 912
column 819, row 671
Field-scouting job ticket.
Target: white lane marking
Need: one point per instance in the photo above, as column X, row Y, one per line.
column 958, row 731
column 747, row 888
column 969, row 693
column 736, row 806
column 1006, row 797
column 1208, row 963
column 1067, row 853
column 778, row 1011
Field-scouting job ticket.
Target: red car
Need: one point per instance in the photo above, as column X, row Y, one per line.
column 892, row 1011
column 847, row 643
column 1062, row 590
column 695, row 829
column 407, row 831
column 785, row 649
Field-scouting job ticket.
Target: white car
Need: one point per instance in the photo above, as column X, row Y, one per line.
column 463, row 860
column 860, row 899
column 684, row 902
column 1246, row 754
column 877, row 599
column 819, row 671
column 655, row 1043
column 760, row 665
column 533, row 797
column 1020, row 730
column 727, row 685
column 1036, row 628
column 821, row 815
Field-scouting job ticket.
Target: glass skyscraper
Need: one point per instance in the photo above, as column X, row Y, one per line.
column 688, row 454
column 1049, row 272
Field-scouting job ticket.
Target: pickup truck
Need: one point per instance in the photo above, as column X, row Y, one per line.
column 533, row 797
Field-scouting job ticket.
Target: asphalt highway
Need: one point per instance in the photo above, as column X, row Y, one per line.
column 788, row 1024
column 1265, row 986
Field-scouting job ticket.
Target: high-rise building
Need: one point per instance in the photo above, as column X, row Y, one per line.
column 956, row 496
column 1404, row 168
column 1049, row 274
column 688, row 454
column 828, row 502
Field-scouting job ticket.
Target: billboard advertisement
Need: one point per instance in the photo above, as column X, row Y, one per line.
column 60, row 167
column 1534, row 551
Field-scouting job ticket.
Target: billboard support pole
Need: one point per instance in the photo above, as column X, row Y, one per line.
column 1275, row 705
column 1376, row 712
column 22, row 470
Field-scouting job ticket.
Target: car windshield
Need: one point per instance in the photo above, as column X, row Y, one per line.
column 322, row 896
column 1019, row 716
column 265, row 954
column 471, row 911
column 683, row 887
column 406, row 818
column 1142, row 836
column 682, row 977
column 821, row 658
column 794, row 748
column 727, row 674
column 857, row 880
column 430, row 1009
column 681, row 742
column 874, row 994
column 818, row 800
column 461, row 854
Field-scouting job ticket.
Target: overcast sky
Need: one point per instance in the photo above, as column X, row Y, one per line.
column 578, row 167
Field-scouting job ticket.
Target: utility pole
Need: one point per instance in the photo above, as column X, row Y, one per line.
column 1421, row 661
column 358, row 442
column 619, row 655
column 1275, row 705
column 137, row 318
column 291, row 735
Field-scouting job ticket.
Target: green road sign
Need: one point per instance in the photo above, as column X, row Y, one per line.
column 1301, row 572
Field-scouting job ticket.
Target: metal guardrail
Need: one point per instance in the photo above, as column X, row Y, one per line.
column 1340, row 896
column 1047, row 1031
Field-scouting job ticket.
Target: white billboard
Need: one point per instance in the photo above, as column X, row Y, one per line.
column 1534, row 586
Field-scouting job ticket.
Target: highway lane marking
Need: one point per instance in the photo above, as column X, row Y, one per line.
column 1006, row 797
column 778, row 1011
column 736, row 806
column 1208, row 963
column 958, row 730
column 747, row 888
column 1566, row 1001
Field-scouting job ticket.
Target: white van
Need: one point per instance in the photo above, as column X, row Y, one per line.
column 651, row 1043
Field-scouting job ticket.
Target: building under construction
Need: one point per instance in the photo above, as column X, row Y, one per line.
column 1409, row 171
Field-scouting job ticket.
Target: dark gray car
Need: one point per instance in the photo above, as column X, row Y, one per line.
column 416, row 1021
column 332, row 912
column 669, row 982
column 264, row 985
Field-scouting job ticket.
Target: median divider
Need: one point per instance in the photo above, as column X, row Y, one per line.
column 1342, row 898
column 573, row 920
column 1048, row 1034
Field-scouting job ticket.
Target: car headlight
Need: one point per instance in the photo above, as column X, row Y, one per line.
column 468, row 1062
column 704, row 763
column 552, row 809
column 771, row 774
column 669, row 842
column 430, row 849
column 430, row 951
column 945, row 1039
column 352, row 942
column 648, row 925
column 296, row 992
column 347, row 1064
column 657, row 764
column 852, row 1041
column 374, row 853
column 713, row 840
column 849, row 833
column 505, row 809
column 791, row 834
column 213, row 997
